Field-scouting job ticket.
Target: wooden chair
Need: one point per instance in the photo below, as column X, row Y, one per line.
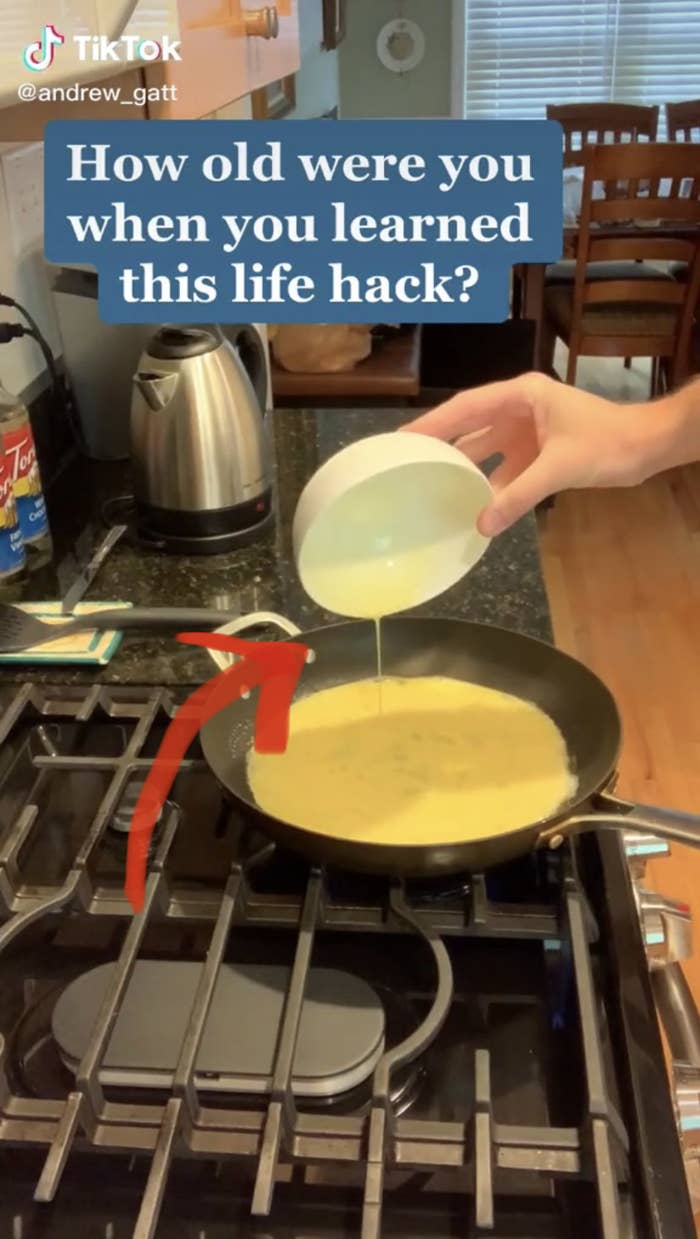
column 683, row 121
column 633, row 316
column 587, row 124
column 683, row 124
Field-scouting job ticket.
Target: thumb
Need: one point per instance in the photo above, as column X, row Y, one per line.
column 518, row 497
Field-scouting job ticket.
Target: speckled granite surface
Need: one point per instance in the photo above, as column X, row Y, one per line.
column 506, row 588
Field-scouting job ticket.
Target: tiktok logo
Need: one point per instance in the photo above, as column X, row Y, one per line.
column 40, row 55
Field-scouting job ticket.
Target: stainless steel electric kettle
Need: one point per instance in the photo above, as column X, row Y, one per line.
column 202, row 469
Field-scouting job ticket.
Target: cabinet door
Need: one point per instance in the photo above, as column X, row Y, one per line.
column 29, row 32
column 272, row 59
column 26, row 122
column 32, row 44
column 214, row 65
column 225, row 55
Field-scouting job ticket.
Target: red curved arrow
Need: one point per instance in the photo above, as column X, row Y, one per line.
column 272, row 666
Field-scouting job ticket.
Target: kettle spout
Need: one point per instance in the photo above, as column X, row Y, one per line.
column 156, row 388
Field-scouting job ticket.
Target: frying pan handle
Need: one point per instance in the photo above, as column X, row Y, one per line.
column 257, row 619
column 615, row 814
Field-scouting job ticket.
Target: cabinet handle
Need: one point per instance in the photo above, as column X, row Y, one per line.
column 262, row 23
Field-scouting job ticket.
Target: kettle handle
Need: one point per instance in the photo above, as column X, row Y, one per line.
column 251, row 350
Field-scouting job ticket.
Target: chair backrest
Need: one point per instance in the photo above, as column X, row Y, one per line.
column 683, row 121
column 656, row 215
column 587, row 123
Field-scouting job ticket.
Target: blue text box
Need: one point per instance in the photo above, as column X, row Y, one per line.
column 303, row 221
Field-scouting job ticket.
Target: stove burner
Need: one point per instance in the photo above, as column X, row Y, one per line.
column 34, row 1065
column 406, row 1081
column 117, row 834
column 341, row 1033
column 40, row 1068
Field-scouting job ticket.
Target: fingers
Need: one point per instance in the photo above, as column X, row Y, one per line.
column 474, row 410
column 517, row 495
column 482, row 444
column 477, row 420
column 505, row 473
column 460, row 415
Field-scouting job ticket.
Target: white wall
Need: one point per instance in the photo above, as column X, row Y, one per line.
column 317, row 79
column 367, row 89
column 23, row 276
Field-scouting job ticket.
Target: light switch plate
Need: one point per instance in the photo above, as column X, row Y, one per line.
column 23, row 174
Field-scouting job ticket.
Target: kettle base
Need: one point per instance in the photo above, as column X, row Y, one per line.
column 215, row 532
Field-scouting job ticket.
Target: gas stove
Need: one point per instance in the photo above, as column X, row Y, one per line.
column 275, row 1050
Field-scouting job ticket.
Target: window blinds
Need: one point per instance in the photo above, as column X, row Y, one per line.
column 523, row 54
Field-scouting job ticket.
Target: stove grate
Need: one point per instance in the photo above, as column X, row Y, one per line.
column 281, row 1135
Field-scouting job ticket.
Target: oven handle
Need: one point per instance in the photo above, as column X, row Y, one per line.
column 678, row 1012
column 609, row 812
column 681, row 1022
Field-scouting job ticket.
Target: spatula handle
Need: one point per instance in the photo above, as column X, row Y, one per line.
column 149, row 619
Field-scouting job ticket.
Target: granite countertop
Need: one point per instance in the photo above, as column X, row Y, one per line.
column 506, row 588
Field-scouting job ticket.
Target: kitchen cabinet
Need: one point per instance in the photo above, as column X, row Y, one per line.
column 270, row 60
column 229, row 48
column 76, row 42
column 26, row 121
column 73, row 77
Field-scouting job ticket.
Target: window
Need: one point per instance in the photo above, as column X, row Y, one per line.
column 523, row 54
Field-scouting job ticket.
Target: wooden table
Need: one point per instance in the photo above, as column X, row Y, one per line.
column 532, row 274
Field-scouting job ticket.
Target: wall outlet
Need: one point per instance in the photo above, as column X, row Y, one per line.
column 23, row 174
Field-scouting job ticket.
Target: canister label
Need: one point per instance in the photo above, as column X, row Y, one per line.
column 12, row 554
column 26, row 481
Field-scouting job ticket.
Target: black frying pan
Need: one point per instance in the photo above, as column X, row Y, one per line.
column 577, row 701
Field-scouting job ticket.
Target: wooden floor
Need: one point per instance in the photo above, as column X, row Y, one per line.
column 623, row 575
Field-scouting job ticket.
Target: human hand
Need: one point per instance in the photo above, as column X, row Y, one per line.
column 551, row 436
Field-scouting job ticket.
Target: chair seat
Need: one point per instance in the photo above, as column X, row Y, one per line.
column 565, row 272
column 625, row 318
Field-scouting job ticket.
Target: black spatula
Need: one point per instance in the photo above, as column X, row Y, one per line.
column 20, row 631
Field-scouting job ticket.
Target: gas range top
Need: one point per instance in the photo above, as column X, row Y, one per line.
column 274, row 1050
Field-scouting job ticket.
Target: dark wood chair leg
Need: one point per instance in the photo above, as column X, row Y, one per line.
column 516, row 300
